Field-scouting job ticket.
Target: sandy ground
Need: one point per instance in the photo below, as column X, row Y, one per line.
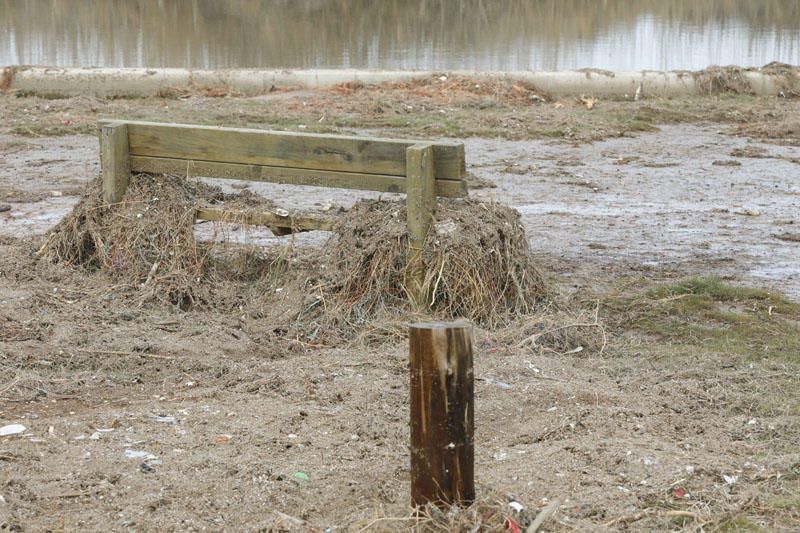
column 150, row 419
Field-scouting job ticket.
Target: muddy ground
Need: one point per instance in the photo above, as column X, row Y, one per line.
column 675, row 221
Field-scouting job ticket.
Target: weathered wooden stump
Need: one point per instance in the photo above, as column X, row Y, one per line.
column 421, row 202
column 442, row 413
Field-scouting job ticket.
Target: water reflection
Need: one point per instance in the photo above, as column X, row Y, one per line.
column 428, row 34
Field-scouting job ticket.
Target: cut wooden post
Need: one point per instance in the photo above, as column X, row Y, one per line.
column 421, row 202
column 114, row 160
column 442, row 413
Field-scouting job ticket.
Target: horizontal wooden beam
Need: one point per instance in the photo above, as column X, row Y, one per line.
column 292, row 176
column 267, row 218
column 288, row 149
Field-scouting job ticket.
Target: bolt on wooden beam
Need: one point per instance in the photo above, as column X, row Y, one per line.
column 442, row 413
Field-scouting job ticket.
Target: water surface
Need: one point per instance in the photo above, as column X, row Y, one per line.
column 406, row 34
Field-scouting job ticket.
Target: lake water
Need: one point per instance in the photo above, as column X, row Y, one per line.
column 401, row 34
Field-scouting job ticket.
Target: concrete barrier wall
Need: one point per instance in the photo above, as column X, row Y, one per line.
column 139, row 82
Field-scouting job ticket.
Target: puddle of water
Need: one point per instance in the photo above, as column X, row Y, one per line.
column 406, row 34
column 26, row 219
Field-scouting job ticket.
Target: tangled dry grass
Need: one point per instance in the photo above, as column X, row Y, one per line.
column 454, row 88
column 731, row 79
column 146, row 241
column 491, row 512
column 480, row 266
column 478, row 260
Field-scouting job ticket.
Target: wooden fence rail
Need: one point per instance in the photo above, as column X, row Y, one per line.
column 421, row 169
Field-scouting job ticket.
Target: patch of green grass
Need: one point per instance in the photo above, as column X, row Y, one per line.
column 715, row 316
column 739, row 525
column 790, row 502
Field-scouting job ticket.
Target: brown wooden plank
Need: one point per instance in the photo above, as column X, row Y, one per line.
column 293, row 176
column 442, row 409
column 114, row 161
column 268, row 218
column 421, row 202
column 288, row 149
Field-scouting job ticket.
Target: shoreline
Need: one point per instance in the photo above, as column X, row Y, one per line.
column 771, row 80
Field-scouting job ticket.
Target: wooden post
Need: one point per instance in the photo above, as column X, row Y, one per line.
column 421, row 203
column 114, row 160
column 442, row 413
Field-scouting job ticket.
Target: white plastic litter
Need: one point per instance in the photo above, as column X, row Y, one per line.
column 12, row 429
column 139, row 454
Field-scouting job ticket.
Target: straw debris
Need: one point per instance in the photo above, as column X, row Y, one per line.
column 478, row 259
column 145, row 241
column 714, row 80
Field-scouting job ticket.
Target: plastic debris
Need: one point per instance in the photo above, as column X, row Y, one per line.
column 512, row 526
column 500, row 384
column 12, row 429
column 518, row 507
column 730, row 480
column 138, row 454
column 533, row 368
column 301, row 475
column 164, row 419
column 679, row 493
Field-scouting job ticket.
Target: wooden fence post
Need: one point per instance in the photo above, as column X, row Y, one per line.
column 421, row 203
column 114, row 160
column 442, row 413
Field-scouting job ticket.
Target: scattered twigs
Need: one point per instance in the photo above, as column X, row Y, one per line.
column 533, row 338
column 627, row 519
column 376, row 521
column 544, row 515
column 128, row 354
column 289, row 520
column 151, row 274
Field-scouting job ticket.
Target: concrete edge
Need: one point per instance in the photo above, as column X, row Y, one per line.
column 141, row 82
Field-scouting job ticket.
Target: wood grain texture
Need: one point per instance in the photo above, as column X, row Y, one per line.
column 442, row 413
column 303, row 222
column 291, row 176
column 421, row 202
column 288, row 149
column 114, row 161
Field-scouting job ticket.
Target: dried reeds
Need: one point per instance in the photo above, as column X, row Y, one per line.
column 145, row 241
column 478, row 262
